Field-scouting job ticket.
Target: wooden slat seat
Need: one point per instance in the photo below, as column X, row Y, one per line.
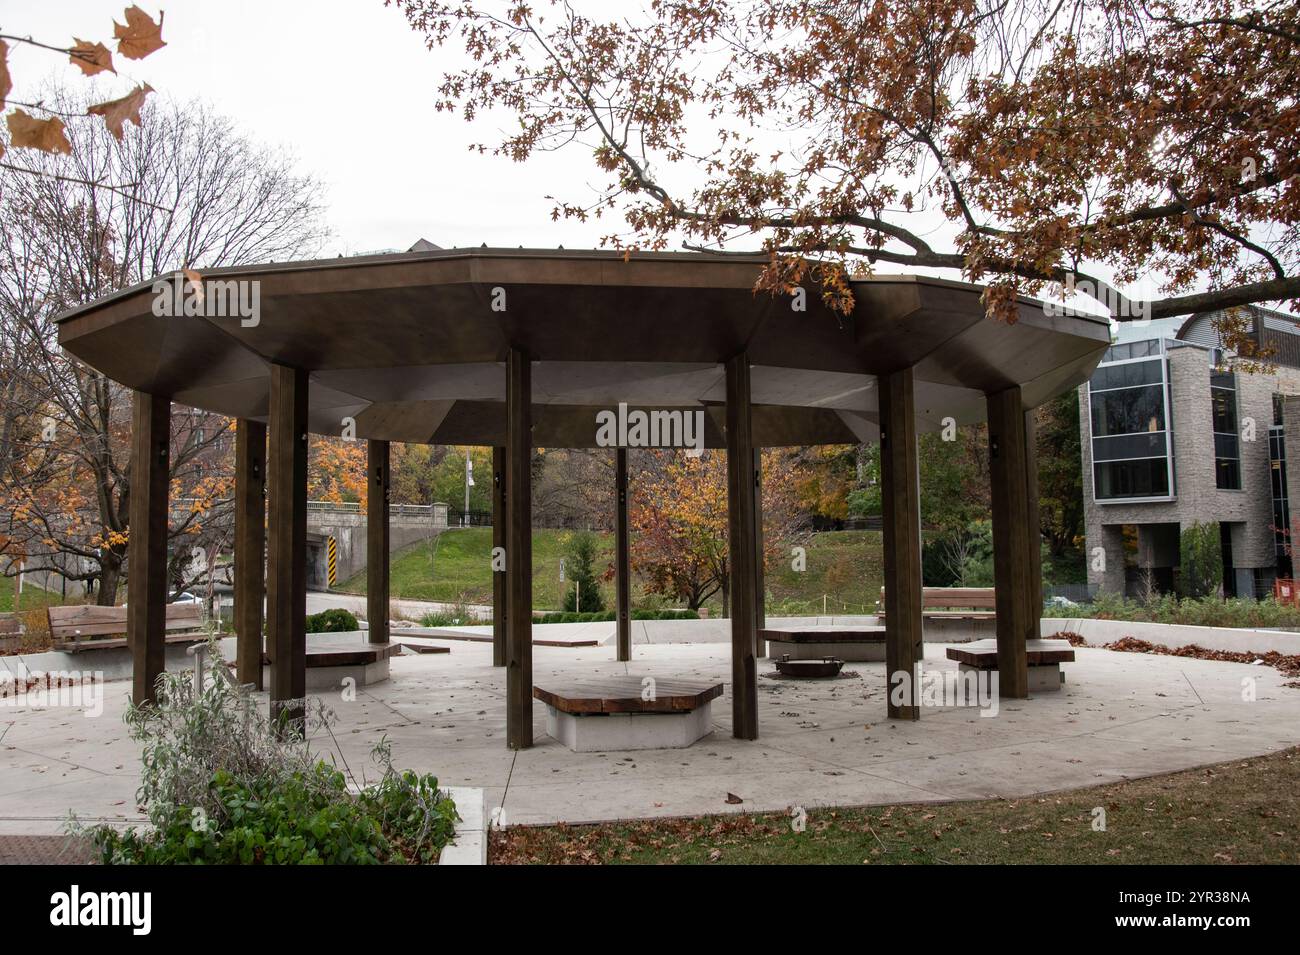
column 983, row 654
column 953, row 603
column 624, row 695
column 89, row 627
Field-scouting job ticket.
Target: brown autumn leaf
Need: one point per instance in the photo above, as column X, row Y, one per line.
column 141, row 36
column 91, row 57
column 43, row 134
column 5, row 84
column 118, row 111
column 733, row 799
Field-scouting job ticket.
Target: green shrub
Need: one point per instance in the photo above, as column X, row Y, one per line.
column 580, row 558
column 334, row 620
column 1210, row 611
column 222, row 784
column 1202, row 560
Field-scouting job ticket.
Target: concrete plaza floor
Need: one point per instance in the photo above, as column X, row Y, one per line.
column 1120, row 715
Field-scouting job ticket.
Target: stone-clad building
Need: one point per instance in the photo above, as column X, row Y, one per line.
column 1174, row 435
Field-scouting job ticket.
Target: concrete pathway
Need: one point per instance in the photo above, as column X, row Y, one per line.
column 1122, row 715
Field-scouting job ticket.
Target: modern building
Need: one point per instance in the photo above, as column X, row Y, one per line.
column 1177, row 431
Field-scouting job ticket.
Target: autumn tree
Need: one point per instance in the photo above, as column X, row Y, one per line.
column 202, row 195
column 1030, row 145
column 679, row 516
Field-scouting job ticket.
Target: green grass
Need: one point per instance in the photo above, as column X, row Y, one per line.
column 846, row 566
column 455, row 567
column 33, row 598
column 1246, row 811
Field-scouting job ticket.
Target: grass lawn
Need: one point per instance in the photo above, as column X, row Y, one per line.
column 33, row 598
column 456, row 567
column 1245, row 811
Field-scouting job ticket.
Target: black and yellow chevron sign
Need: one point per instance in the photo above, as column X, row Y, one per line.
column 332, row 552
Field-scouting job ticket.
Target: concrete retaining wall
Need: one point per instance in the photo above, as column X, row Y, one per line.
column 1099, row 632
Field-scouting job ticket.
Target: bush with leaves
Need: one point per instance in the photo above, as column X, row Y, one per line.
column 221, row 785
column 334, row 620
column 584, row 595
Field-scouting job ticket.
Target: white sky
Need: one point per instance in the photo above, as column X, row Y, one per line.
column 348, row 87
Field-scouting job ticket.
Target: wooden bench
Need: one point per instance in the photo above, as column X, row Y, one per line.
column 627, row 713
column 953, row 603
column 331, row 660
column 855, row 644
column 1044, row 658
column 88, row 627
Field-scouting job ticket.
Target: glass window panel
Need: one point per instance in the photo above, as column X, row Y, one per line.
column 1120, row 479
column 1144, row 445
column 1128, row 375
column 1225, row 446
column 1227, row 474
column 1128, row 411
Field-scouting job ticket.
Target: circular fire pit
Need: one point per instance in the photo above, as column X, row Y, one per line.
column 809, row 669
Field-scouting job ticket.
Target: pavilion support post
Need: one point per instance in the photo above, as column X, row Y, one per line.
column 741, row 523
column 519, row 551
column 901, row 498
column 250, row 548
column 287, row 554
column 146, row 594
column 760, row 588
column 498, row 564
column 378, row 542
column 1033, row 527
column 623, row 556
column 1012, row 562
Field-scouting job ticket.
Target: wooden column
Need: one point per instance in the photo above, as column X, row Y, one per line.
column 1033, row 527
column 250, row 548
column 741, row 524
column 1012, row 568
column 498, row 547
column 900, row 493
column 622, row 557
column 286, row 575
column 378, row 541
column 519, row 551
column 146, row 587
column 760, row 610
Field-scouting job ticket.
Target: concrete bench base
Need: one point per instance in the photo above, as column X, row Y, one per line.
column 1044, row 659
column 331, row 677
column 605, row 732
column 1042, row 679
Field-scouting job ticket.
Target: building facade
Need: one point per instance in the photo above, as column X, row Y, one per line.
column 1177, row 433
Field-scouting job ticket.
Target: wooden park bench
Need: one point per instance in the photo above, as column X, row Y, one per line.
column 624, row 713
column 1044, row 658
column 851, row 644
column 953, row 603
column 88, row 627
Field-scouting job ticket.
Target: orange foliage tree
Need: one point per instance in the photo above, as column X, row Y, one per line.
column 1028, row 145
column 679, row 519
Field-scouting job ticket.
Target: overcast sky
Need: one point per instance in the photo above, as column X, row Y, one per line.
column 345, row 85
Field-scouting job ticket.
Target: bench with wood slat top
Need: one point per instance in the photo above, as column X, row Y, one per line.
column 89, row 627
column 628, row 713
column 624, row 695
column 953, row 603
column 1043, row 657
column 851, row 644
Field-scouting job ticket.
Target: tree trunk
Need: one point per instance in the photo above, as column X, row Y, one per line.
column 110, row 575
column 726, row 598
